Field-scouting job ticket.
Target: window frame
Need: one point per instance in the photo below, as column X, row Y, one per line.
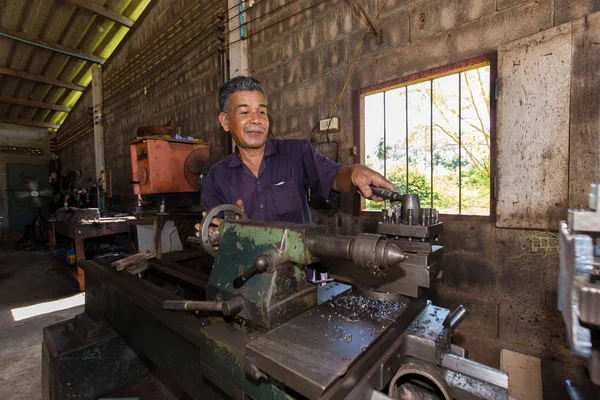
column 358, row 108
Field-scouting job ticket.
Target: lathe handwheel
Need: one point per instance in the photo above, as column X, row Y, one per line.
column 229, row 211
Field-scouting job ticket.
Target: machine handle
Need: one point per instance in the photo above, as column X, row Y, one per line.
column 261, row 263
column 229, row 212
column 572, row 391
column 457, row 317
column 386, row 194
column 228, row 308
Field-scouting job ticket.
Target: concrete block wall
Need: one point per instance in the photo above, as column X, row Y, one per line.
column 302, row 52
column 168, row 67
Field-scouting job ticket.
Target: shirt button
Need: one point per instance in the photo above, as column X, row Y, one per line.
column 262, row 206
column 258, row 182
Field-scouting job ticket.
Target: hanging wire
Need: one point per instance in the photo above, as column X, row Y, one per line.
column 139, row 86
column 150, row 63
column 111, row 115
column 230, row 19
column 350, row 71
column 128, row 100
column 156, row 42
column 163, row 84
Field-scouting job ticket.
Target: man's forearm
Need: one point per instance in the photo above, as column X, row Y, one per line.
column 343, row 181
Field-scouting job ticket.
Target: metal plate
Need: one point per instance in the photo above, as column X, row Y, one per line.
column 416, row 231
column 330, row 290
column 313, row 350
column 533, row 129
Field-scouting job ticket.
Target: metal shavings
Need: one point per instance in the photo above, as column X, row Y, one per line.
column 340, row 333
column 358, row 308
column 417, row 328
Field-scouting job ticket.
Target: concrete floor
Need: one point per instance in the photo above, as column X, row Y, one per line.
column 24, row 282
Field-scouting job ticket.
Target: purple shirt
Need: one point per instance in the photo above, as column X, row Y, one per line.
column 288, row 169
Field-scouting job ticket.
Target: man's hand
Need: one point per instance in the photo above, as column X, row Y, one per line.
column 360, row 177
column 215, row 222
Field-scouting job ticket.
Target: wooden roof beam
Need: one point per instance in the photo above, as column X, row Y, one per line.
column 27, row 122
column 32, row 103
column 103, row 11
column 57, row 47
column 40, row 78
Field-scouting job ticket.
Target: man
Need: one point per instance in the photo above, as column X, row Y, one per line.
column 268, row 178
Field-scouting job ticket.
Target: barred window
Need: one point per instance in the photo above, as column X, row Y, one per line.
column 431, row 137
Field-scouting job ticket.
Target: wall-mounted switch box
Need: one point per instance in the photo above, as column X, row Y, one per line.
column 329, row 125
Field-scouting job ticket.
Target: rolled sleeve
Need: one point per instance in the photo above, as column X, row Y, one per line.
column 319, row 171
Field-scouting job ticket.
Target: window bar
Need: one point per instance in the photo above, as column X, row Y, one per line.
column 460, row 143
column 384, row 138
column 406, row 132
column 431, row 139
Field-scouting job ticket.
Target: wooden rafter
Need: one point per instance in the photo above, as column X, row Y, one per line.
column 105, row 12
column 40, row 78
column 60, row 48
column 27, row 122
column 32, row 103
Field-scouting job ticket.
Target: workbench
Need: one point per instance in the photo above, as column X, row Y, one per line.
column 81, row 230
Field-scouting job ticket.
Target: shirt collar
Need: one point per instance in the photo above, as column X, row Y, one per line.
column 236, row 161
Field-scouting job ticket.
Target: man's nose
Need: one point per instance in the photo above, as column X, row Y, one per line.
column 255, row 118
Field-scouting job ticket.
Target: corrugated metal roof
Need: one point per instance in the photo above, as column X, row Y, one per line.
column 47, row 49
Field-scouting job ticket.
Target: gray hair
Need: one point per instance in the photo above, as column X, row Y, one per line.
column 238, row 84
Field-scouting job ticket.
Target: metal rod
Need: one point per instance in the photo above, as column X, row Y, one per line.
column 95, row 61
column 191, row 305
column 386, row 194
column 459, row 144
column 457, row 317
column 406, row 190
column 227, row 308
column 369, row 20
column 330, row 246
column 431, row 139
column 384, row 138
column 572, row 391
column 365, row 251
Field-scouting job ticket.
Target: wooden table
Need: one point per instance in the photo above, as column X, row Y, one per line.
column 79, row 231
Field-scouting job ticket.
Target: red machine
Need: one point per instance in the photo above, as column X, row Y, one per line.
column 166, row 165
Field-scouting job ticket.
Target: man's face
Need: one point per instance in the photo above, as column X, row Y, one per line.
column 247, row 120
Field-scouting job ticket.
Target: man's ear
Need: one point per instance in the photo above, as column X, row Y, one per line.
column 224, row 120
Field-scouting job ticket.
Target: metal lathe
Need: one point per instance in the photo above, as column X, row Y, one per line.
column 254, row 328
